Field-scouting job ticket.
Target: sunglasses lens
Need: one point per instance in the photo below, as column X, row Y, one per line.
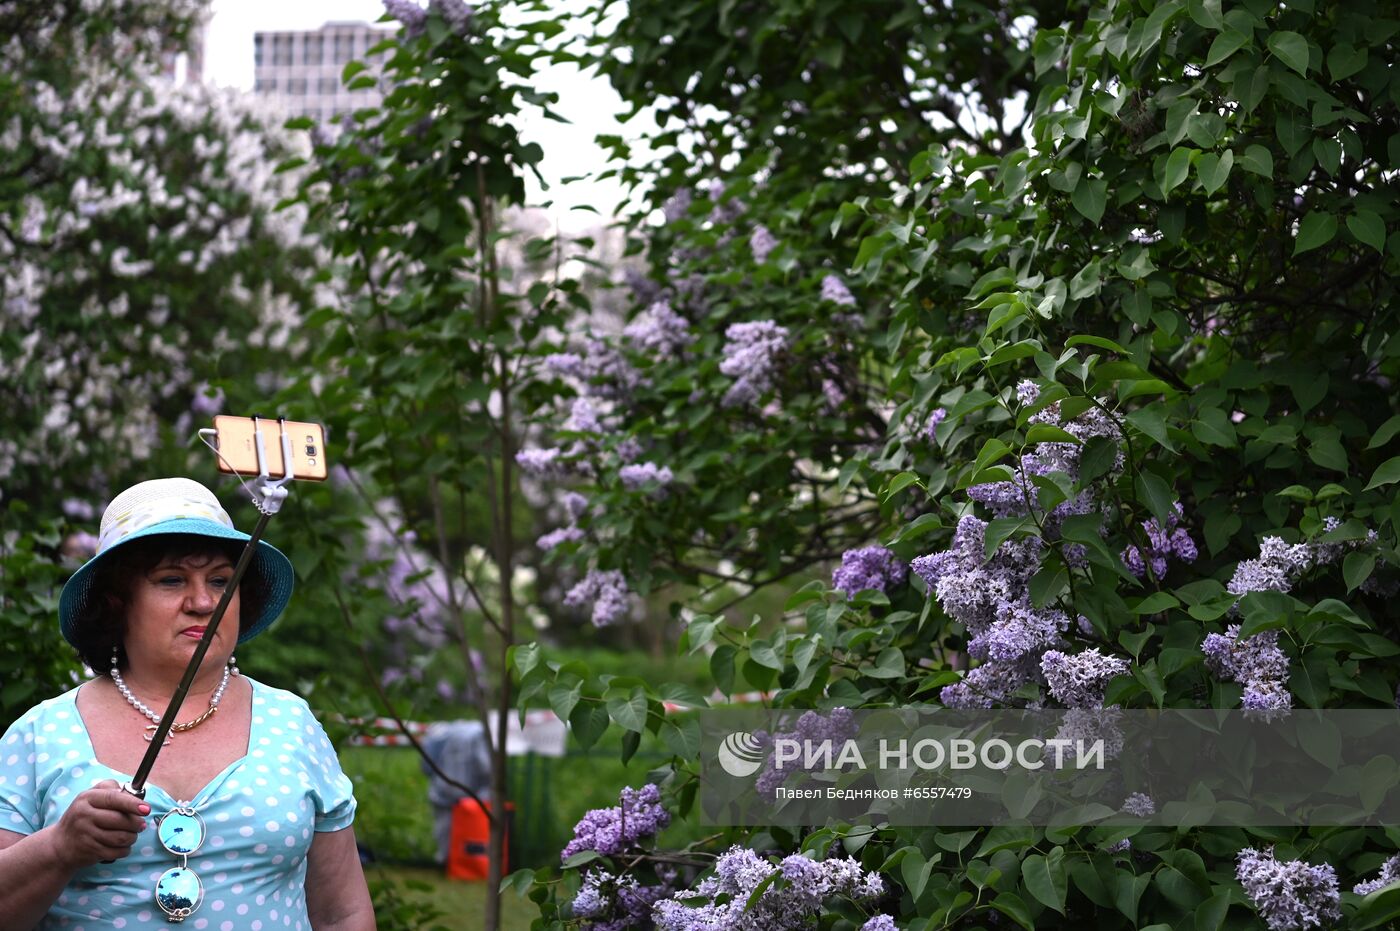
column 179, row 891
column 181, row 831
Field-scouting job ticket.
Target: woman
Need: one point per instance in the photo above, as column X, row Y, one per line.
column 246, row 819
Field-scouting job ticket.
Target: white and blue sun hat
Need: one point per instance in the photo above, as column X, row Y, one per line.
column 183, row 506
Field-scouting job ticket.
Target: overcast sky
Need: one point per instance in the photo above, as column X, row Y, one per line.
column 589, row 103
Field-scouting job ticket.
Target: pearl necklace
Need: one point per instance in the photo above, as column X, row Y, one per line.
column 151, row 729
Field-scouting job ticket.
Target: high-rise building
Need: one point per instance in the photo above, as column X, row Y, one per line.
column 299, row 72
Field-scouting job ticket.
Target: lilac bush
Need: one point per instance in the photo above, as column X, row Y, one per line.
column 605, row 591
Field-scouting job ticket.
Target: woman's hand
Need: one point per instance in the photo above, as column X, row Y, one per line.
column 101, row 825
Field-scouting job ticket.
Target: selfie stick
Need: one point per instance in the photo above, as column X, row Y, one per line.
column 268, row 497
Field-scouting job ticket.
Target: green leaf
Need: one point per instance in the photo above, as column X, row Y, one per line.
column 588, row 721
column 630, row 712
column 1368, row 227
column 563, row 699
column 1388, row 473
column 1210, row 914
column 1345, row 60
column 1049, row 433
column 1378, row 909
column 1046, row 880
column 1206, row 13
column 1291, row 49
column 1089, row 198
column 1214, row 170
column 1153, row 423
column 1012, row 906
column 1385, row 433
column 1259, row 160
column 1158, row 496
column 900, row 482
column 682, row 736
column 1225, row 45
column 1176, row 168
column 1317, row 229
column 1357, row 568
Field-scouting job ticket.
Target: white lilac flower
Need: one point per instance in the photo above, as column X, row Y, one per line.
column 1291, row 895
column 1140, row 805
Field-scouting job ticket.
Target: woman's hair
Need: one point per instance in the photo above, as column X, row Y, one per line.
column 101, row 624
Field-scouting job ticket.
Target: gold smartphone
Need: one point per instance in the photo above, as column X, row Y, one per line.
column 238, row 452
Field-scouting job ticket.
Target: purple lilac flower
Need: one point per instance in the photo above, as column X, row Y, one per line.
column 78, row 509
column 991, row 597
column 1086, row 726
column 1278, row 566
column 724, row 211
column 989, row 685
column 610, row 831
column 629, row 449
column 937, row 417
column 565, row 364
column 677, row 204
column 207, row 402
column 737, row 876
column 607, row 590
column 659, row 330
column 1255, row 662
column 602, row 369
column 410, row 15
column 1267, row 699
column 1290, row 895
column 583, row 417
column 1162, row 542
column 1390, row 872
column 642, row 475
column 455, row 13
column 539, row 462
column 1120, row 846
column 555, row 537
column 575, row 505
column 1140, row 805
column 837, row 726
column 835, row 290
column 644, row 289
column 608, row 902
column 833, row 394
column 761, row 243
column 1079, row 680
column 750, row 358
column 879, row 923
column 1027, row 392
column 869, row 567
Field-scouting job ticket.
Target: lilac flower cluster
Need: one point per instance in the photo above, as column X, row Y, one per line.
column 869, row 567
column 835, row 290
column 1279, row 565
column 1162, row 542
column 1257, row 663
column 1390, row 873
column 206, row 402
column 609, row 831
column 724, row 211
column 761, row 243
column 643, row 475
column 601, row 369
column 991, row 598
column 739, row 873
column 606, row 590
column 1027, row 392
column 542, row 463
column 608, row 902
column 549, row 541
column 751, row 358
column 677, row 204
column 1018, row 495
column 1140, row 805
column 812, row 728
column 1290, row 895
column 937, row 417
column 583, row 417
column 1079, row 680
column 659, row 330
column 455, row 13
column 410, row 15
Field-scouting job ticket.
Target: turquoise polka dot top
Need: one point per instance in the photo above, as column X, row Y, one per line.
column 260, row 814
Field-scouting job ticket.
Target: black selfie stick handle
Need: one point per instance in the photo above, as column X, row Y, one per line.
column 137, row 786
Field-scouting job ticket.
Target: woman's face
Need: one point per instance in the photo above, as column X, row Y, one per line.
column 170, row 607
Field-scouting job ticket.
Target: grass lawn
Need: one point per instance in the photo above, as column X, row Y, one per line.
column 461, row 903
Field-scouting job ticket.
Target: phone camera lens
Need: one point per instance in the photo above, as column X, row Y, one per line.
column 311, row 450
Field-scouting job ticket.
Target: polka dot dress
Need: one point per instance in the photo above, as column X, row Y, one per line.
column 260, row 814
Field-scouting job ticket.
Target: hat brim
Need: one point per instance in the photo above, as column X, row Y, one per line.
column 268, row 563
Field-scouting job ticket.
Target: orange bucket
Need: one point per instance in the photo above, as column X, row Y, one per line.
column 471, row 838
